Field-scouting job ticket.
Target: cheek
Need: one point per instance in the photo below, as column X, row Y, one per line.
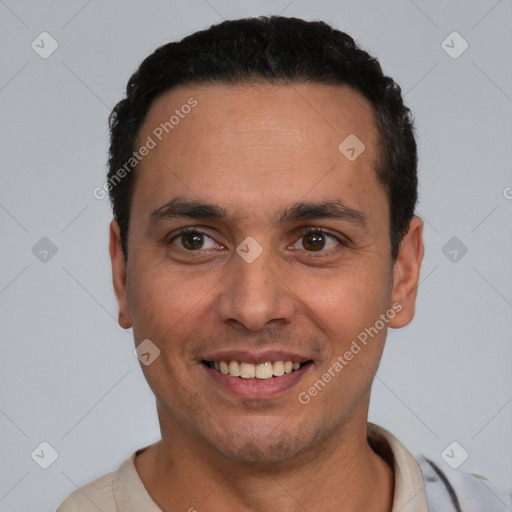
column 161, row 301
column 346, row 308
column 348, row 299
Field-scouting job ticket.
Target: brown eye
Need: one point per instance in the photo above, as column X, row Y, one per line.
column 317, row 240
column 314, row 241
column 193, row 240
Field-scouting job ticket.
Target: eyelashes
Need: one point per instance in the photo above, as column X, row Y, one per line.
column 321, row 241
column 193, row 234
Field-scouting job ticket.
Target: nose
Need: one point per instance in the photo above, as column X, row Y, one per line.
column 255, row 296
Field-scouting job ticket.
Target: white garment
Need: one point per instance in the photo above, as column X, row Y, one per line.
column 123, row 491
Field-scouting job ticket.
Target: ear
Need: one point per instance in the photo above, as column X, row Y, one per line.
column 119, row 275
column 406, row 273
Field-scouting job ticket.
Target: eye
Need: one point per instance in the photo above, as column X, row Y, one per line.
column 191, row 239
column 318, row 240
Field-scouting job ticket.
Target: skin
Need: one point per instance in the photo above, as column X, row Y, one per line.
column 254, row 150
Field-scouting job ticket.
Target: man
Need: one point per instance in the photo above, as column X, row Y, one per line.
column 263, row 181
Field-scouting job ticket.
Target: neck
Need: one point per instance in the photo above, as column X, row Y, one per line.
column 182, row 473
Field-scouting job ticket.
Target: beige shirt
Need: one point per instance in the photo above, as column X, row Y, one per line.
column 123, row 491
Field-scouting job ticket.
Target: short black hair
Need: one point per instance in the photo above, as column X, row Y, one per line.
column 274, row 50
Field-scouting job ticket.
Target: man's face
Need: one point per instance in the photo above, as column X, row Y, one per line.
column 251, row 285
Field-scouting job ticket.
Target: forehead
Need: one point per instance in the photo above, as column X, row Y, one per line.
column 240, row 143
column 292, row 109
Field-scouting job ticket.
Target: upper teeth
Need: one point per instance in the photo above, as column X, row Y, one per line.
column 259, row 371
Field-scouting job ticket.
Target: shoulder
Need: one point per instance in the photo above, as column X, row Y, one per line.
column 121, row 489
column 459, row 491
column 96, row 495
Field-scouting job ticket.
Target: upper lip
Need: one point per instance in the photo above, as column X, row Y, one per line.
column 255, row 357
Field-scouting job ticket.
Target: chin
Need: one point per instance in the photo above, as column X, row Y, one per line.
column 250, row 452
column 267, row 447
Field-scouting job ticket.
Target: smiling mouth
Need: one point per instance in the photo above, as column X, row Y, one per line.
column 262, row 371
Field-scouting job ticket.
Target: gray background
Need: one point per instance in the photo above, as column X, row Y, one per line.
column 67, row 372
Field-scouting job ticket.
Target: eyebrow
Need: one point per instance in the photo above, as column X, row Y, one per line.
column 302, row 210
column 329, row 209
column 180, row 208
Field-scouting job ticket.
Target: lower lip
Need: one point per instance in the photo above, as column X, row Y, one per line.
column 258, row 388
